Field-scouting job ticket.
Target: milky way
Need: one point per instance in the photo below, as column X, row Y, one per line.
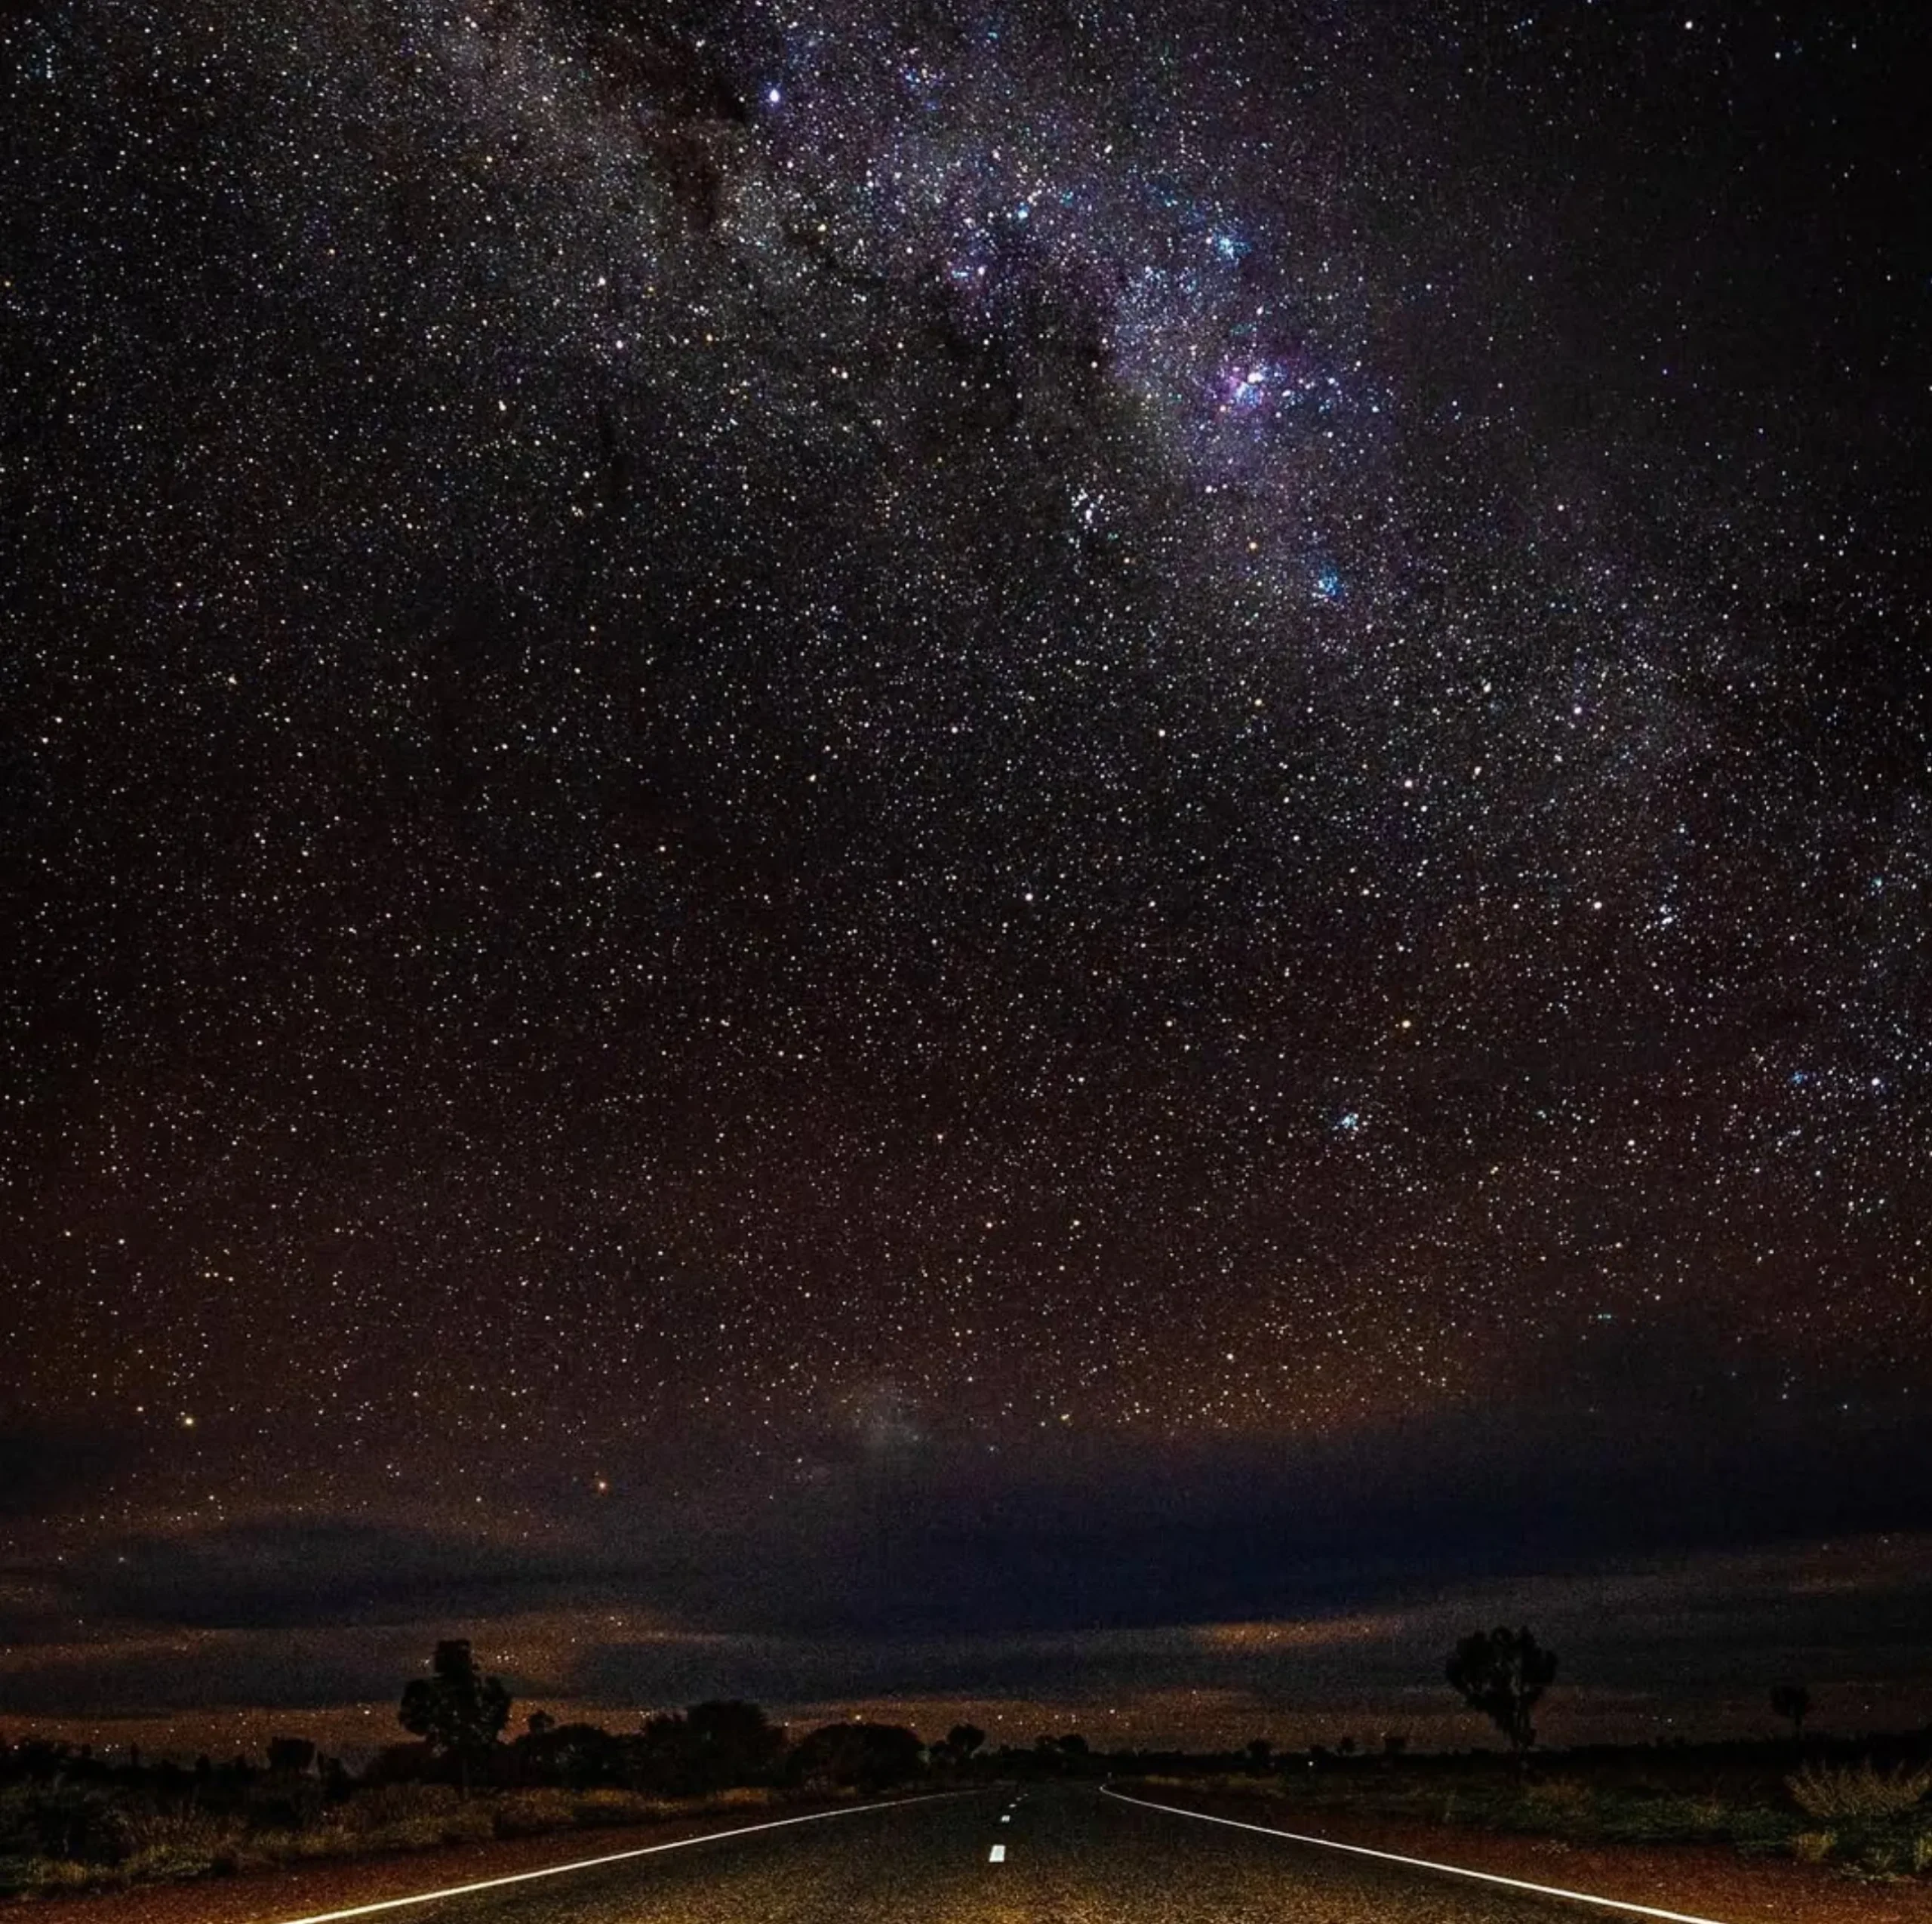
column 742, row 739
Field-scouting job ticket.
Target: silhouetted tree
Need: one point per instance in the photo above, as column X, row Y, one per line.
column 400, row 1763
column 581, row 1756
column 1394, row 1742
column 731, row 1743
column 1049, row 1756
column 870, row 1755
column 1502, row 1673
column 456, row 1711
column 290, row 1756
column 540, row 1723
column 1261, row 1753
column 1345, row 1747
column 963, row 1739
column 661, row 1757
column 1792, row 1701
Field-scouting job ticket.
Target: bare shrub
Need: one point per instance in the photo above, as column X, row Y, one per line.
column 1880, row 1859
column 325, row 1840
column 468, row 1824
column 1563, row 1799
column 1814, row 1846
column 50, row 1874
column 385, row 1806
column 1709, row 1814
column 606, row 1805
column 411, row 1816
column 529, row 1813
column 177, row 1844
column 1858, row 1790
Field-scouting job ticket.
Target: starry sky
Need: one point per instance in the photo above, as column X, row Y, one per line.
column 993, row 855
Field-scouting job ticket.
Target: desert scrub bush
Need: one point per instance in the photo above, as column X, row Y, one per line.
column 147, row 1830
column 1563, row 1805
column 322, row 1840
column 50, row 1823
column 1922, row 1853
column 49, row 1876
column 1665, row 1820
column 1880, row 1858
column 607, row 1805
column 468, row 1824
column 408, row 1817
column 406, row 1834
column 172, row 1844
column 1814, row 1846
column 284, row 1806
column 385, row 1806
column 1860, row 1790
column 528, row 1813
column 1757, row 1830
column 745, row 1797
column 464, row 1824
column 264, row 1850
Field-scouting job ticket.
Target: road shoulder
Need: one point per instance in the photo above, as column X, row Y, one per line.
column 271, row 1896
column 1698, row 1879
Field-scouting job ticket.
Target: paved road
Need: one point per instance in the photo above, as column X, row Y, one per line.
column 1072, row 1857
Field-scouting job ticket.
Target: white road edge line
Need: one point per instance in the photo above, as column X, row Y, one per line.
column 997, row 1855
column 1424, row 1863
column 584, row 1864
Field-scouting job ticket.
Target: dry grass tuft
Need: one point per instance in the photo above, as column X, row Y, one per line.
column 1562, row 1799
column 1857, row 1790
column 165, row 1845
column 385, row 1806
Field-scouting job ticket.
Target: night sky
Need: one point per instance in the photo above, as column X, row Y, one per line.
column 1063, row 859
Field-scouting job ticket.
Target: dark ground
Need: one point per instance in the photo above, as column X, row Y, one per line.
column 1076, row 1857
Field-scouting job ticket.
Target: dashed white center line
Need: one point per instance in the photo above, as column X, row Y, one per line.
column 997, row 1855
column 1006, row 1817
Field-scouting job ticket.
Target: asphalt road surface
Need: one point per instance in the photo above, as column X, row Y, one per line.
column 1071, row 1856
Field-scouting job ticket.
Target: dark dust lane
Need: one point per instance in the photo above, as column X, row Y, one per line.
column 1071, row 1857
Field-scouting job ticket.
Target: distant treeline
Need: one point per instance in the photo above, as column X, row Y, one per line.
column 62, row 1804
column 73, row 1817
column 696, row 1752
